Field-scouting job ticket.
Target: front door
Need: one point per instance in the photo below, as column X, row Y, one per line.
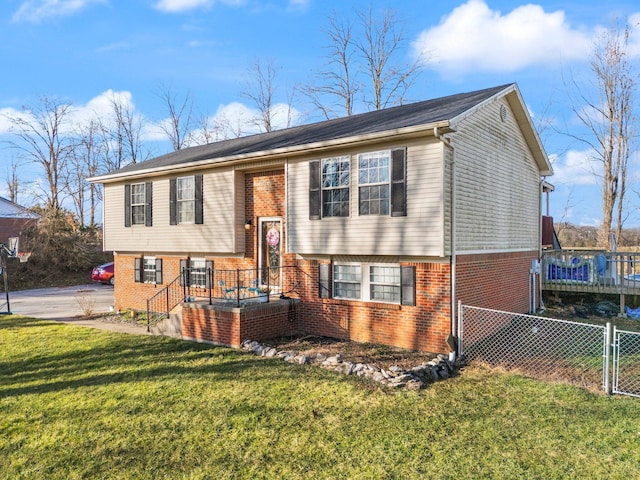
column 270, row 253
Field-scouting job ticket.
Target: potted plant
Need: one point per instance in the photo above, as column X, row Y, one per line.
column 263, row 293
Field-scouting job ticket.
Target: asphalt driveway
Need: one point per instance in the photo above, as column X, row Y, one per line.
column 65, row 304
column 59, row 302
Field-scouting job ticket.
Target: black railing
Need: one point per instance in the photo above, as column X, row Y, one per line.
column 240, row 286
column 232, row 287
column 177, row 291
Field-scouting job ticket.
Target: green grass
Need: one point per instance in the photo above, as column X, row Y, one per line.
column 82, row 403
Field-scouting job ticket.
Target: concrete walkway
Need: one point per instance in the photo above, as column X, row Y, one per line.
column 67, row 304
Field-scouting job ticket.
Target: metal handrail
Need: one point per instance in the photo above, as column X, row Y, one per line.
column 228, row 286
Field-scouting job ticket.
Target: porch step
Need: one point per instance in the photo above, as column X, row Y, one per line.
column 171, row 326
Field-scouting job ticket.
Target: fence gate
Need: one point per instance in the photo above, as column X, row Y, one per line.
column 539, row 347
column 626, row 363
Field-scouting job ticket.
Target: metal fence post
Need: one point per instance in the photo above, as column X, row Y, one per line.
column 606, row 386
column 460, row 329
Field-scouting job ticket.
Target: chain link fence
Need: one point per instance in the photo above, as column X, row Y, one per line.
column 538, row 347
column 626, row 363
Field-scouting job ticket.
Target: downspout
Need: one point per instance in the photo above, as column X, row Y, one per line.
column 540, row 303
column 452, row 235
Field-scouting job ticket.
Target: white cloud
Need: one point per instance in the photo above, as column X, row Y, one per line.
column 298, row 5
column 475, row 38
column 575, row 168
column 175, row 6
column 35, row 11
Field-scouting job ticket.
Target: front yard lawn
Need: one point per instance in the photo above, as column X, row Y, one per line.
column 82, row 403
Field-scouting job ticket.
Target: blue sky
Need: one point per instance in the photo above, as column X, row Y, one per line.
column 87, row 51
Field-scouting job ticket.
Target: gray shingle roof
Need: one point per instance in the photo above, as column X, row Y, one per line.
column 414, row 114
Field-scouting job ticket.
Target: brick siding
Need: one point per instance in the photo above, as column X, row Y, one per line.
column 499, row 281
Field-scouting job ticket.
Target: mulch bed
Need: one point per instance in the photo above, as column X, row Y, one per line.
column 380, row 355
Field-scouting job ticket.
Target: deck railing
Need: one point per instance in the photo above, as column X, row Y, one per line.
column 591, row 271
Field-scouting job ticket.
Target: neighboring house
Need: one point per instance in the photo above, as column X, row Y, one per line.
column 14, row 219
column 387, row 219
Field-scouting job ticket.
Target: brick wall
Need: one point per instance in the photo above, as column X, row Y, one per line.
column 224, row 325
column 498, row 281
column 421, row 327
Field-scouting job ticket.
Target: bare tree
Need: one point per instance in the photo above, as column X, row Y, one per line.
column 381, row 42
column 179, row 125
column 260, row 89
column 610, row 121
column 364, row 62
column 121, row 137
column 85, row 163
column 41, row 138
column 337, row 79
column 13, row 181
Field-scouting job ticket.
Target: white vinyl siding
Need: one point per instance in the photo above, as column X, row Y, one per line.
column 419, row 233
column 223, row 211
column 497, row 185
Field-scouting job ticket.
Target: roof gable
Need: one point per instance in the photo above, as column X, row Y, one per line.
column 8, row 209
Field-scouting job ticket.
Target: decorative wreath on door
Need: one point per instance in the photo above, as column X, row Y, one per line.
column 273, row 237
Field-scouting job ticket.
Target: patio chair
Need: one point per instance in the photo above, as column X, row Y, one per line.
column 228, row 293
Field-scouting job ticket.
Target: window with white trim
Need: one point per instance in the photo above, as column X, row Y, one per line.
column 198, row 271
column 373, row 183
column 149, row 270
column 336, row 179
column 186, row 199
column 367, row 282
column 138, row 203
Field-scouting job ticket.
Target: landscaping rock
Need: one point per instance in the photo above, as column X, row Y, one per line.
column 395, row 377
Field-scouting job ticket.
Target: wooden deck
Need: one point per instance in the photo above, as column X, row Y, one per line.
column 591, row 271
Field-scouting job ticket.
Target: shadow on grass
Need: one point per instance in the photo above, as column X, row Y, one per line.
column 54, row 357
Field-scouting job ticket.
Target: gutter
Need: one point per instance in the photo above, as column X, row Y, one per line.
column 452, row 235
column 282, row 152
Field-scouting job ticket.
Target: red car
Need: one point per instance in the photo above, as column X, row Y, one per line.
column 103, row 273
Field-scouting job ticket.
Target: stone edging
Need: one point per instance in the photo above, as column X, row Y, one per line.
column 415, row 378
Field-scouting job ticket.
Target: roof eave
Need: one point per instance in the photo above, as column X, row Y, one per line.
column 444, row 125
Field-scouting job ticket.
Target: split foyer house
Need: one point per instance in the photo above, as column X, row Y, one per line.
column 372, row 226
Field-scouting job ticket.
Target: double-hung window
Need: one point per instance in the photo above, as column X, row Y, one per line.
column 381, row 178
column 382, row 183
column 347, row 281
column 336, row 178
column 137, row 204
column 373, row 182
column 367, row 282
column 185, row 200
column 148, row 270
column 329, row 187
column 198, row 270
